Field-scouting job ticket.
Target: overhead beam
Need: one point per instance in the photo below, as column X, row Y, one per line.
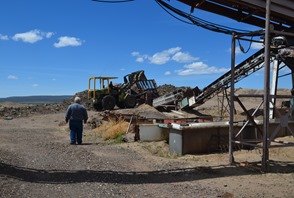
column 250, row 12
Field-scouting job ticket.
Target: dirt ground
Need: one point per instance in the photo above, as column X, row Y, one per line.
column 36, row 160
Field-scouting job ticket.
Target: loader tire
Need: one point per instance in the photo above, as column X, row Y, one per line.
column 97, row 105
column 108, row 102
column 130, row 101
column 121, row 105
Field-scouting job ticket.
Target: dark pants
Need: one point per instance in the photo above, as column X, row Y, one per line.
column 76, row 131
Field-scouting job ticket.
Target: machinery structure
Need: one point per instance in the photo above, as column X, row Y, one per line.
column 135, row 89
column 276, row 18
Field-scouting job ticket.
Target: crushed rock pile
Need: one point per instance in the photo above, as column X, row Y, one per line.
column 143, row 111
column 168, row 88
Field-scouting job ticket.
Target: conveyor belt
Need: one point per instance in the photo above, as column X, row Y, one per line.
column 244, row 69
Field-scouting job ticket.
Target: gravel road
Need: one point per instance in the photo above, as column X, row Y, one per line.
column 36, row 160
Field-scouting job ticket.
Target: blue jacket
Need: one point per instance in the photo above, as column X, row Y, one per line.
column 76, row 112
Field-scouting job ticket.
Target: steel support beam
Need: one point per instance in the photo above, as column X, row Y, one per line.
column 232, row 96
column 265, row 153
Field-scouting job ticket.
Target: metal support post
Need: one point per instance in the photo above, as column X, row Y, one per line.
column 232, row 94
column 265, row 153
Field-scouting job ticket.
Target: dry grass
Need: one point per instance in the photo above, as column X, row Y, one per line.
column 160, row 149
column 113, row 129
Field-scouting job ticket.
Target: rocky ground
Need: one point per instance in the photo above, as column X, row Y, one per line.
column 36, row 160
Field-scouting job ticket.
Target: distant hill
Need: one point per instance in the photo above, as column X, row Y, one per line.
column 36, row 99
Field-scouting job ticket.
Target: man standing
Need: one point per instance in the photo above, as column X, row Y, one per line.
column 76, row 114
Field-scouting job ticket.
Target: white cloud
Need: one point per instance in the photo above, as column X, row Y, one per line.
column 49, row 34
column 175, row 54
column 4, row 37
column 200, row 68
column 165, row 56
column 183, row 57
column 159, row 59
column 11, row 77
column 28, row 37
column 140, row 59
column 32, row 36
column 167, row 73
column 35, row 85
column 135, row 54
column 66, row 41
column 257, row 46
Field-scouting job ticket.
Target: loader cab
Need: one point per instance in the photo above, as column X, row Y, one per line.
column 104, row 86
column 106, row 97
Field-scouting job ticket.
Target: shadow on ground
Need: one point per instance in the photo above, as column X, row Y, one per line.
column 161, row 176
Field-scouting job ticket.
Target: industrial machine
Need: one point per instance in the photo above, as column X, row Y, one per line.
column 135, row 89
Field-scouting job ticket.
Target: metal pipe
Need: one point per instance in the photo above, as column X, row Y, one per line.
column 282, row 33
column 265, row 153
column 273, row 90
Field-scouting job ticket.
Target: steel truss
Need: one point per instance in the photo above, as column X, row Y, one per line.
column 268, row 101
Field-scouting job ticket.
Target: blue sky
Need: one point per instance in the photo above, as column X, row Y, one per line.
column 53, row 47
